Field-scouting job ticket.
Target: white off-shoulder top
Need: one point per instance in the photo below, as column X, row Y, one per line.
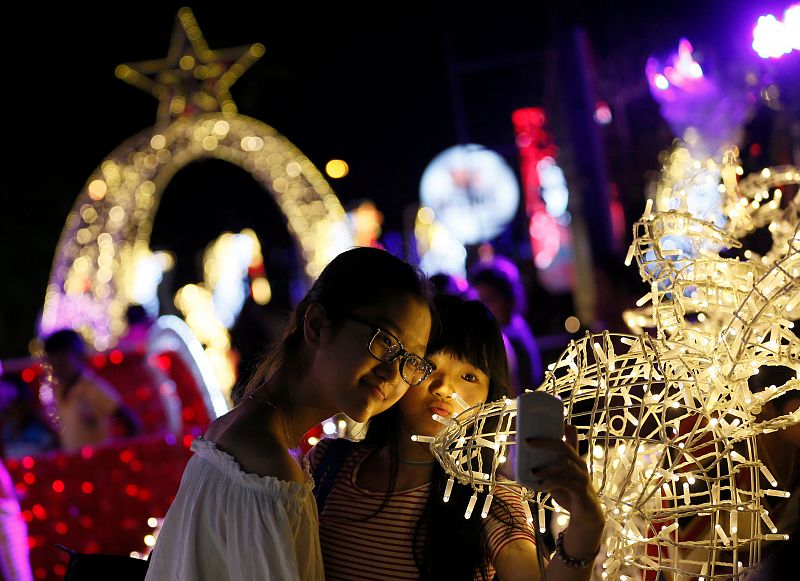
column 226, row 524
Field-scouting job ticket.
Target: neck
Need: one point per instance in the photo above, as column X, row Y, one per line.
column 293, row 399
column 412, row 453
column 411, row 472
column 65, row 384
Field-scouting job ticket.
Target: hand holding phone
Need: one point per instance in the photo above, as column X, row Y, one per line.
column 539, row 415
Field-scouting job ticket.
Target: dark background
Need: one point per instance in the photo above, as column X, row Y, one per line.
column 385, row 87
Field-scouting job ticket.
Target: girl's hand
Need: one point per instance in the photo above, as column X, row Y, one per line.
column 568, row 482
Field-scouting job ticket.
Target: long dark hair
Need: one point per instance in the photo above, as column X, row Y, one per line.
column 468, row 331
column 358, row 277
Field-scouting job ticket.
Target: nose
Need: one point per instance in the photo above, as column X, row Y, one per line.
column 389, row 371
column 440, row 386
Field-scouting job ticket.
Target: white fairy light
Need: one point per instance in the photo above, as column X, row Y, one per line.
column 659, row 412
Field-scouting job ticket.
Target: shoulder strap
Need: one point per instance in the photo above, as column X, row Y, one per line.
column 328, row 467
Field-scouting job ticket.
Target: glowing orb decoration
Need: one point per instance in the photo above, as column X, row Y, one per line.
column 472, row 191
column 668, row 419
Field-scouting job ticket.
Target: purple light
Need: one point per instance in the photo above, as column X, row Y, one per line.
column 712, row 106
column 791, row 20
column 773, row 38
column 681, row 71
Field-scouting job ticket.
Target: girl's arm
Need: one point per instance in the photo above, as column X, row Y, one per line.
column 569, row 483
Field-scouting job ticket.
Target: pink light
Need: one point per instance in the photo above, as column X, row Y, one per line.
column 680, row 71
column 687, row 67
column 602, row 113
column 661, row 82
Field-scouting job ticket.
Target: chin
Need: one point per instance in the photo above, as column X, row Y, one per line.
column 359, row 414
column 427, row 428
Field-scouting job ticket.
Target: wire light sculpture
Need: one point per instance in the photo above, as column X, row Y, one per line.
column 667, row 416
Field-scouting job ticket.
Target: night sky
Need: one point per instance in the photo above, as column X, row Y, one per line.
column 385, row 87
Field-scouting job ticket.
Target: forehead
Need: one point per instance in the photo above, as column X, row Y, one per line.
column 406, row 318
column 444, row 359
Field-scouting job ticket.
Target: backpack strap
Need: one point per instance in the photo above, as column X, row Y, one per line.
column 328, row 467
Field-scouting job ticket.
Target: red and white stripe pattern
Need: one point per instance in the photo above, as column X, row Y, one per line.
column 358, row 545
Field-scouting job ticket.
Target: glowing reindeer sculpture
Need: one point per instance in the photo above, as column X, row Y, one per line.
column 667, row 418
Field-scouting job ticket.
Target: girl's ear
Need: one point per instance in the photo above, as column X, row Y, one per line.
column 313, row 324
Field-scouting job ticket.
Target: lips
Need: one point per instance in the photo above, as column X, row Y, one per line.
column 441, row 411
column 376, row 391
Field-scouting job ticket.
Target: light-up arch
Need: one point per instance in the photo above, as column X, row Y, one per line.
column 110, row 225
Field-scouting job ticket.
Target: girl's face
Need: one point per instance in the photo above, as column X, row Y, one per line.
column 357, row 383
column 434, row 396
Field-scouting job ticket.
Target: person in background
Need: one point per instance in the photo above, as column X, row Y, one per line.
column 245, row 509
column 23, row 430
column 498, row 285
column 89, row 409
column 15, row 564
column 139, row 324
column 451, row 284
column 382, row 512
column 780, row 452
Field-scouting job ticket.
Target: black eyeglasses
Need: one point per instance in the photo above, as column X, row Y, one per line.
column 385, row 347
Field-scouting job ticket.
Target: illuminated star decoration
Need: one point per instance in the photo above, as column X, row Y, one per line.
column 193, row 79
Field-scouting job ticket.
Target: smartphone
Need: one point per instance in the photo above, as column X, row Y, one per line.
column 539, row 415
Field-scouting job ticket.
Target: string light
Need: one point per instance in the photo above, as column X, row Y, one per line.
column 108, row 229
column 662, row 408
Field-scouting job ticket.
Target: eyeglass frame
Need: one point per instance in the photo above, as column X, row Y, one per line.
column 402, row 353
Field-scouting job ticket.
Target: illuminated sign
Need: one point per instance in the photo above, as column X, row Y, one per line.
column 472, row 191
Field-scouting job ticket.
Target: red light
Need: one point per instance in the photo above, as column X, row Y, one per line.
column 115, row 356
column 28, row 375
column 99, row 360
column 163, row 362
column 61, row 528
column 28, row 462
column 132, row 490
column 58, row 486
column 126, row 456
column 29, row 478
column 529, row 116
column 87, row 487
column 39, row 511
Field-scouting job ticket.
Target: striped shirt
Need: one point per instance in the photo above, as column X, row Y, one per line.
column 380, row 548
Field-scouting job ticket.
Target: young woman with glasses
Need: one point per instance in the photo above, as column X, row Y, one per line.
column 245, row 508
column 382, row 514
